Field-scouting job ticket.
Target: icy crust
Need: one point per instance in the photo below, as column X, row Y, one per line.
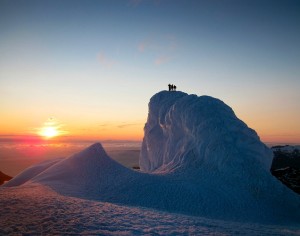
column 187, row 131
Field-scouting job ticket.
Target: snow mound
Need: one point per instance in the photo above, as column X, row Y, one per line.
column 30, row 173
column 87, row 170
column 197, row 158
column 190, row 132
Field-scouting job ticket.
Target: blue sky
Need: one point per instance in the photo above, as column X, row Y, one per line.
column 96, row 63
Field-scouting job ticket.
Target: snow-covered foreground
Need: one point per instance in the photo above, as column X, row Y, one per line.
column 199, row 162
column 36, row 209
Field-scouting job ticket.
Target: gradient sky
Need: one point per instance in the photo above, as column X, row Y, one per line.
column 92, row 66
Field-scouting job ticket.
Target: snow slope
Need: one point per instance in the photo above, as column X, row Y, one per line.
column 4, row 178
column 31, row 172
column 34, row 209
column 198, row 159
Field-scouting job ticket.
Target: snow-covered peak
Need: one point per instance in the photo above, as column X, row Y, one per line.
column 84, row 167
column 187, row 131
column 286, row 148
column 96, row 150
column 78, row 169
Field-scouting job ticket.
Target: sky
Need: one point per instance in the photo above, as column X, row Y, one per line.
column 88, row 68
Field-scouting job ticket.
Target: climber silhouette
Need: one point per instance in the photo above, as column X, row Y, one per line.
column 172, row 87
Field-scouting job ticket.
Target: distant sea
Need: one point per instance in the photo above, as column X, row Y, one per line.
column 16, row 156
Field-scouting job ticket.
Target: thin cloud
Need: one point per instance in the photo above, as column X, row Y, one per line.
column 162, row 60
column 125, row 125
column 103, row 125
column 165, row 43
column 142, row 46
column 149, row 45
column 163, row 48
column 105, row 61
column 106, row 126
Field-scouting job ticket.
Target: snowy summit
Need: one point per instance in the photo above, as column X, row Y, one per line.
column 226, row 166
column 197, row 159
column 191, row 132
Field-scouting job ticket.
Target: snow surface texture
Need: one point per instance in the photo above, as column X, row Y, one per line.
column 37, row 210
column 203, row 161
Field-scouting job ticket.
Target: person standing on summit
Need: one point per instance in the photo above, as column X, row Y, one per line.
column 172, row 87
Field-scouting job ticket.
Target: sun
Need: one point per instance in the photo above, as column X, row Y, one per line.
column 49, row 132
column 50, row 129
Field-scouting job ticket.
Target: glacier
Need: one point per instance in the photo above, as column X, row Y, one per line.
column 197, row 159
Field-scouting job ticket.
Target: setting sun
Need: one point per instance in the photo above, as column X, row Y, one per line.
column 50, row 129
column 49, row 132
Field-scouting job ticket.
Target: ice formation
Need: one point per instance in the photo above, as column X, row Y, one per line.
column 190, row 132
column 197, row 158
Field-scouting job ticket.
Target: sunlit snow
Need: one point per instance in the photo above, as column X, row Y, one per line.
column 203, row 172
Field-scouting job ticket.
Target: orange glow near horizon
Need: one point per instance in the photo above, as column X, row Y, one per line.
column 95, row 130
column 136, row 134
column 110, row 132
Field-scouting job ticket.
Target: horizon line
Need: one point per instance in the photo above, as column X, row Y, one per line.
column 30, row 138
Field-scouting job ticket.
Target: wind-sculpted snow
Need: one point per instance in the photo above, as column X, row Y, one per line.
column 202, row 160
column 190, row 132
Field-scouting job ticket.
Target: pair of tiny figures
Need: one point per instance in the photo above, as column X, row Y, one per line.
column 172, row 87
